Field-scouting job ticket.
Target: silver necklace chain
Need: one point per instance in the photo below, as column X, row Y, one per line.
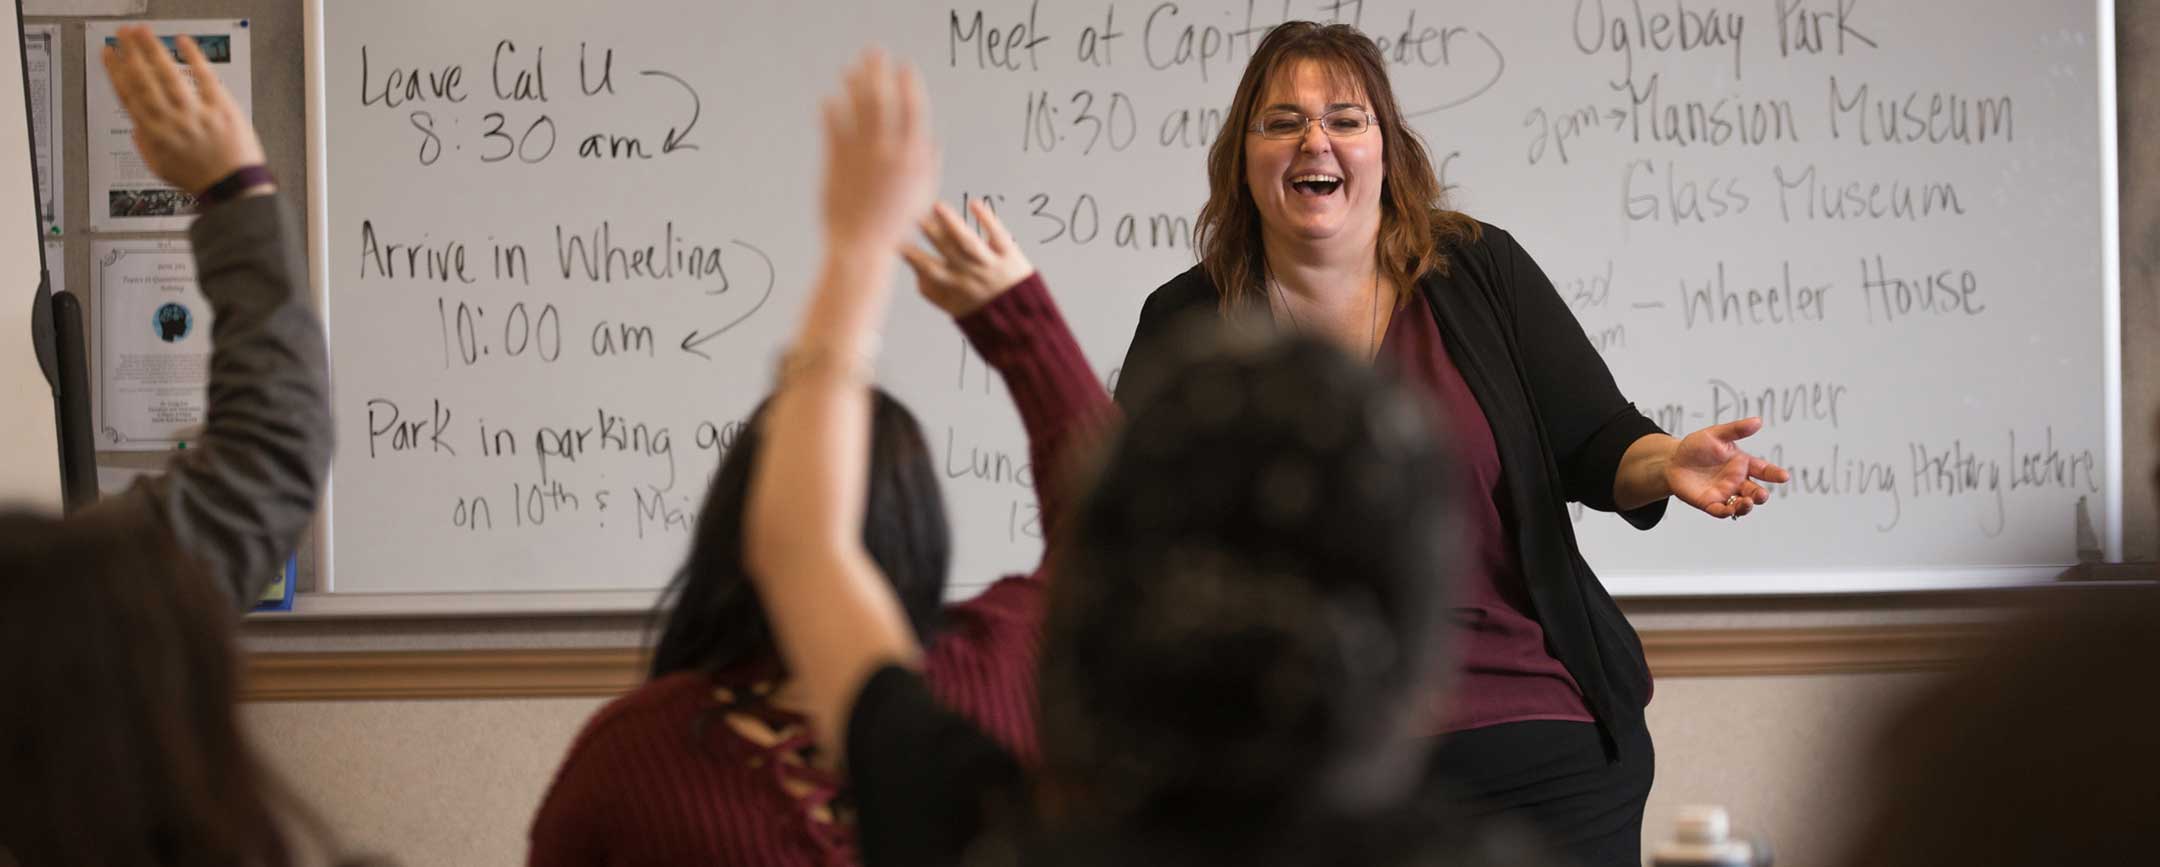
column 1372, row 334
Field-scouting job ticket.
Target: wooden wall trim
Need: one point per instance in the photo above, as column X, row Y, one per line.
column 1809, row 650
column 345, row 676
column 603, row 672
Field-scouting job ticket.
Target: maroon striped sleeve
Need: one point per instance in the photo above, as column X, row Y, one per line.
column 1061, row 402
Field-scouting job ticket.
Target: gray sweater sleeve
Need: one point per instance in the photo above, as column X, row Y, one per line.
column 239, row 498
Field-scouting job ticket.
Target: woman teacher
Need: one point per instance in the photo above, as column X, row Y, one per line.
column 1324, row 216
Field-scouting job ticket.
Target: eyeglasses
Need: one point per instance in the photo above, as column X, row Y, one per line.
column 1340, row 123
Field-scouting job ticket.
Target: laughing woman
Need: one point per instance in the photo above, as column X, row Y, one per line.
column 1324, row 217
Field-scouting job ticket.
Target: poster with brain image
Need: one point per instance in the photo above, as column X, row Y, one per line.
column 152, row 342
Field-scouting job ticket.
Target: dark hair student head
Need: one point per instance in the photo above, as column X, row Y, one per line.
column 1251, row 621
column 120, row 743
column 713, row 621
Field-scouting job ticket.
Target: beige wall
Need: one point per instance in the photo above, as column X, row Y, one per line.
column 1782, row 753
column 455, row 782
column 428, row 782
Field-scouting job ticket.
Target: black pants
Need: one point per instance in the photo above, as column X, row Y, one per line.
column 1553, row 776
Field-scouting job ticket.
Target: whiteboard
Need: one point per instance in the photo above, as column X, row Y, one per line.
column 560, row 245
column 30, row 440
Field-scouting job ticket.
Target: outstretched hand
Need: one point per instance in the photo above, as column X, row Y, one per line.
column 966, row 271
column 1708, row 470
column 188, row 129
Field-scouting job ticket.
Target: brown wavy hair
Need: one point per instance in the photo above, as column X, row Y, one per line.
column 1415, row 225
column 120, row 743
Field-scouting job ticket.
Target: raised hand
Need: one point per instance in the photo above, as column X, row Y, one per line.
column 880, row 163
column 833, row 616
column 188, row 129
column 1708, row 470
column 965, row 271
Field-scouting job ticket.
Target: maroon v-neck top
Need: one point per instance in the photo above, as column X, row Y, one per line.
column 1506, row 674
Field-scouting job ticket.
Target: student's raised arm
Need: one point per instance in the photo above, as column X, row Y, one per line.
column 239, row 497
column 1002, row 304
column 834, row 617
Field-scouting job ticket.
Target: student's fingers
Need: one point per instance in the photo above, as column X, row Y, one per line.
column 941, row 238
column 884, row 94
column 935, row 282
column 971, row 248
column 930, row 274
column 163, row 71
column 208, row 88
column 917, row 260
column 994, row 233
column 121, row 74
column 913, row 107
column 131, row 77
column 835, row 109
column 864, row 93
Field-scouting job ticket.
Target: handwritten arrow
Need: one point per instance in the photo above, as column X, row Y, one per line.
column 674, row 140
column 1500, row 69
column 694, row 339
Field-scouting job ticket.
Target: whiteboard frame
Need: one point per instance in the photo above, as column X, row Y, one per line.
column 2111, row 357
column 1756, row 585
column 368, row 606
column 317, row 121
column 1827, row 582
column 327, row 603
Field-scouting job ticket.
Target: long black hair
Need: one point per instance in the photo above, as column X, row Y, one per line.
column 711, row 618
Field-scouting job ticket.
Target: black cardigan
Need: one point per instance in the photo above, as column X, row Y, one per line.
column 1559, row 421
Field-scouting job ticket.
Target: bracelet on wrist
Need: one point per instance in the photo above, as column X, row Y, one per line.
column 798, row 363
column 231, row 186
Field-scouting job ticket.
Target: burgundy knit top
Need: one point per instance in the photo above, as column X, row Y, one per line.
column 1506, row 673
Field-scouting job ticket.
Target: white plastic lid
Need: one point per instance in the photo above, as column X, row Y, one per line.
column 1701, row 837
column 1702, row 824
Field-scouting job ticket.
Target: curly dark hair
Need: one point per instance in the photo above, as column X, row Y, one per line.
column 1251, row 611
